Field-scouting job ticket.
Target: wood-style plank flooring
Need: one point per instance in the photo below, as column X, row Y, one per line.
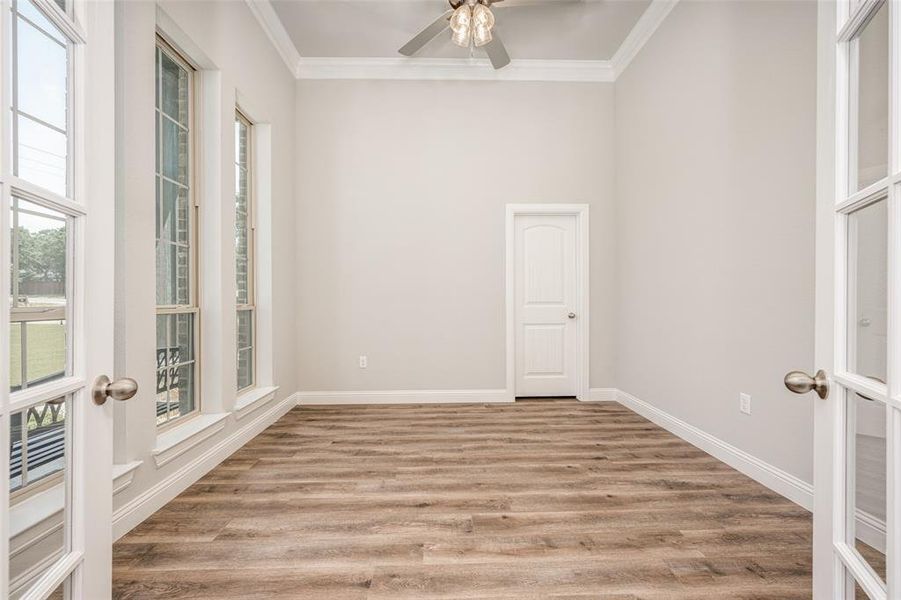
column 547, row 499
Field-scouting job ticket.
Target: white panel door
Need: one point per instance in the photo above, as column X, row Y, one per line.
column 57, row 226
column 546, row 299
column 857, row 417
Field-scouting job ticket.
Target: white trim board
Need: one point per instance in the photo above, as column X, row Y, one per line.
column 470, row 69
column 405, row 397
column 642, row 31
column 601, row 71
column 132, row 513
column 783, row 483
column 275, row 31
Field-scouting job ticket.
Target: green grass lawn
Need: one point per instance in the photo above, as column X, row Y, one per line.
column 46, row 350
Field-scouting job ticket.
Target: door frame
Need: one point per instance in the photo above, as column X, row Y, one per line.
column 580, row 212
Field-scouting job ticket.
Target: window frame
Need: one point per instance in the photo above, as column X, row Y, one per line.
column 251, row 305
column 193, row 307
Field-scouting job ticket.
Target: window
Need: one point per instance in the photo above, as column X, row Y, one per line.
column 40, row 244
column 176, row 234
column 244, row 255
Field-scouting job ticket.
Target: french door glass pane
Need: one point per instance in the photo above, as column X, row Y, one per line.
column 872, row 101
column 40, row 149
column 42, row 64
column 39, row 478
column 867, row 478
column 867, row 291
column 38, row 340
column 41, row 155
column 28, row 10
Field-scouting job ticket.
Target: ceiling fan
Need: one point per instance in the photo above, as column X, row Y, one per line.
column 471, row 23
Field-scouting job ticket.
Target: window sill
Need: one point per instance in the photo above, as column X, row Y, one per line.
column 252, row 399
column 174, row 442
column 36, row 509
column 124, row 474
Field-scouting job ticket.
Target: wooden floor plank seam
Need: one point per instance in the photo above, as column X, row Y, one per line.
column 551, row 499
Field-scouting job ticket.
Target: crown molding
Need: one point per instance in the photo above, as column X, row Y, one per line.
column 644, row 28
column 272, row 26
column 477, row 69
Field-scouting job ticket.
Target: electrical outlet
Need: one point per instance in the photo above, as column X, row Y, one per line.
column 744, row 403
column 364, row 361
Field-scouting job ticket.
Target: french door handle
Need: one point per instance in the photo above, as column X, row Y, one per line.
column 120, row 389
column 800, row 382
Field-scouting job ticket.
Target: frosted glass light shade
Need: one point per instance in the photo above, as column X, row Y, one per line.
column 461, row 37
column 483, row 21
column 481, row 36
column 461, row 25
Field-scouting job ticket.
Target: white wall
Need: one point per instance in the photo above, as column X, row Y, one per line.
column 401, row 188
column 237, row 64
column 715, row 149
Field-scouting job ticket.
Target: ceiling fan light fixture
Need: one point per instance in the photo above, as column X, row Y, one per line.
column 461, row 25
column 483, row 21
column 482, row 16
column 481, row 36
column 461, row 37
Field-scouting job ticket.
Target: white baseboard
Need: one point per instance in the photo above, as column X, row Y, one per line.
column 601, row 395
column 132, row 513
column 406, row 397
column 798, row 491
column 869, row 529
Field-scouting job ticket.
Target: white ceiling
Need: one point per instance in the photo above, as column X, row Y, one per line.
column 534, row 29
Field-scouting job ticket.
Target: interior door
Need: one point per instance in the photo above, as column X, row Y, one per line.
column 546, row 300
column 858, row 418
column 56, row 238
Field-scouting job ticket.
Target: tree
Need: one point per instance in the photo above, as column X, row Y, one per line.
column 42, row 255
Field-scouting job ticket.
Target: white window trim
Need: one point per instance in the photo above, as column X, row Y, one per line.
column 261, row 191
column 252, row 399
column 163, row 44
column 175, row 441
column 251, row 304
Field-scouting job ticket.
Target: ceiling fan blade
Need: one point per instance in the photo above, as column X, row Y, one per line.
column 497, row 54
column 426, row 35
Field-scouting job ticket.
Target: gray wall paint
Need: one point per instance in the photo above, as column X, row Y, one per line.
column 715, row 149
column 253, row 69
column 400, row 223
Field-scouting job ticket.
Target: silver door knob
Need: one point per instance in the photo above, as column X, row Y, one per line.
column 120, row 389
column 800, row 383
column 571, row 315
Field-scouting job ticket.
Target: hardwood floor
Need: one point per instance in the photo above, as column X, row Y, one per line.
column 547, row 499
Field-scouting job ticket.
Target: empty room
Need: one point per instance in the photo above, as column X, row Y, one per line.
column 450, row 299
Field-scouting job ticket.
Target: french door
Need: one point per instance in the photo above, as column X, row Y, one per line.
column 56, row 238
column 857, row 459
